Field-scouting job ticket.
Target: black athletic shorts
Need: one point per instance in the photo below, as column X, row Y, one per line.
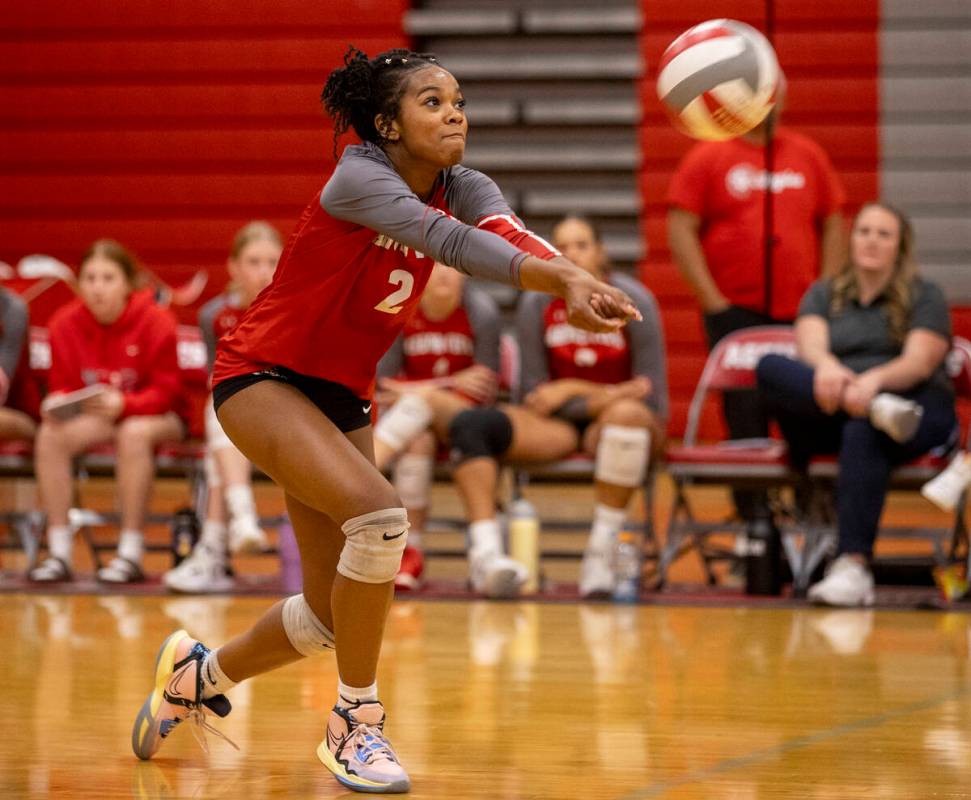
column 339, row 404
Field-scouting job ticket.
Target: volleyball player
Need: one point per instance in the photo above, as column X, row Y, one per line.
column 293, row 390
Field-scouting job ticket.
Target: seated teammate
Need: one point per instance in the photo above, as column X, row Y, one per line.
column 118, row 337
column 604, row 394
column 19, row 396
column 252, row 261
column 445, row 360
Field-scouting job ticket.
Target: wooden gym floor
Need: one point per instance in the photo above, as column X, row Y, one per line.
column 509, row 700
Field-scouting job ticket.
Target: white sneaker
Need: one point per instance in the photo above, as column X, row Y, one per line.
column 946, row 489
column 497, row 575
column 245, row 535
column 597, row 579
column 847, row 583
column 201, row 573
column 896, row 416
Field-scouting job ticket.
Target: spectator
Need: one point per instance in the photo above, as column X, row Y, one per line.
column 445, row 360
column 716, row 229
column 117, row 337
column 602, row 393
column 19, row 397
column 869, row 384
column 252, row 261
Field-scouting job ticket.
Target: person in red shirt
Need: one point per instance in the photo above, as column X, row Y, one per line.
column 252, row 261
column 19, row 394
column 293, row 390
column 602, row 393
column 118, row 338
column 716, row 230
column 445, row 360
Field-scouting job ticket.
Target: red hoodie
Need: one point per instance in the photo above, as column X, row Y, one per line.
column 135, row 354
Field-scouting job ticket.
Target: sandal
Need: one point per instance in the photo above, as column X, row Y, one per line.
column 121, row 570
column 51, row 570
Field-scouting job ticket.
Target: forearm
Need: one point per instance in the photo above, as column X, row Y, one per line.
column 902, row 373
column 692, row 264
column 549, row 276
column 832, row 248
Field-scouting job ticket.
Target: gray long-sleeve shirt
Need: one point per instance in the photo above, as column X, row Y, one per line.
column 14, row 321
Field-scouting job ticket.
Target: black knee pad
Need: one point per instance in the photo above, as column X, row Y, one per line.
column 479, row 433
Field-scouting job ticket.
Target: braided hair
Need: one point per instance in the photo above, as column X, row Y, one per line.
column 364, row 88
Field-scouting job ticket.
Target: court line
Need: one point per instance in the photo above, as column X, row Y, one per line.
column 799, row 743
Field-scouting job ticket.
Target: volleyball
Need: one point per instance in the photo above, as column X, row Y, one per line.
column 718, row 79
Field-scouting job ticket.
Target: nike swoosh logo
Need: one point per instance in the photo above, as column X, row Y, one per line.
column 174, row 688
column 389, row 538
column 367, row 408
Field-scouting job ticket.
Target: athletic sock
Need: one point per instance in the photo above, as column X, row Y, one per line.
column 607, row 522
column 214, row 680
column 60, row 542
column 348, row 696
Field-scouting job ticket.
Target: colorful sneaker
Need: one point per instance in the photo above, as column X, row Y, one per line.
column 356, row 751
column 412, row 566
column 201, row 573
column 177, row 696
column 896, row 416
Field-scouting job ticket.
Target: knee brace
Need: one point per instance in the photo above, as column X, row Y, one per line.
column 479, row 433
column 412, row 479
column 216, row 438
column 622, row 454
column 308, row 635
column 404, row 421
column 373, row 545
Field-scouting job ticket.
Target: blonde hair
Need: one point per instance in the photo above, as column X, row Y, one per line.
column 256, row 230
column 898, row 290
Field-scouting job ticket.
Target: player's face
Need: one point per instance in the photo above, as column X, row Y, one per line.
column 252, row 270
column 875, row 240
column 431, row 123
column 577, row 242
column 104, row 288
column 444, row 285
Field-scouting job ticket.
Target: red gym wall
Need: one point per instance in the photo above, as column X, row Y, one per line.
column 168, row 124
column 829, row 50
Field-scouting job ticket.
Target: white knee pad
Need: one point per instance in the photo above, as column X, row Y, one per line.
column 622, row 455
column 308, row 635
column 412, row 479
column 399, row 426
column 374, row 544
column 216, row 438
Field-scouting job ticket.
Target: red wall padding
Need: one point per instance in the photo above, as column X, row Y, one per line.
column 170, row 125
column 829, row 50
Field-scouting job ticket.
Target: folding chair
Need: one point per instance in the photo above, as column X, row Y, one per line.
column 949, row 543
column 735, row 464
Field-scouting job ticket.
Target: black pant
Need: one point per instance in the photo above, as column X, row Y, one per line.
column 866, row 455
column 745, row 416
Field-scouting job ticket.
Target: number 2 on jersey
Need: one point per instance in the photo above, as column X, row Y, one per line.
column 405, row 282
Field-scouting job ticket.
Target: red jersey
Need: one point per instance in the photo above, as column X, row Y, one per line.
column 354, row 269
column 575, row 353
column 724, row 184
column 437, row 348
column 135, row 354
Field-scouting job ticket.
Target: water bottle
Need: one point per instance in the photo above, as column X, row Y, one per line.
column 524, row 541
column 185, row 534
column 763, row 557
column 627, row 567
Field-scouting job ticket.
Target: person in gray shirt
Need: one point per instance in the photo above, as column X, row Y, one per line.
column 604, row 394
column 15, row 422
column 869, row 385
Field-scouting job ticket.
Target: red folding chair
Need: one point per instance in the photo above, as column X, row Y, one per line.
column 734, row 464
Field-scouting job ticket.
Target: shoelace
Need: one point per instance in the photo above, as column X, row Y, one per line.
column 197, row 716
column 379, row 746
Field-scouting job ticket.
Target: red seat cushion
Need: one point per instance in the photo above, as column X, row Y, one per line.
column 773, row 454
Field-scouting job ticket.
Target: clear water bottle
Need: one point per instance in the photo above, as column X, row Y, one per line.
column 627, row 567
column 524, row 541
column 185, row 534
